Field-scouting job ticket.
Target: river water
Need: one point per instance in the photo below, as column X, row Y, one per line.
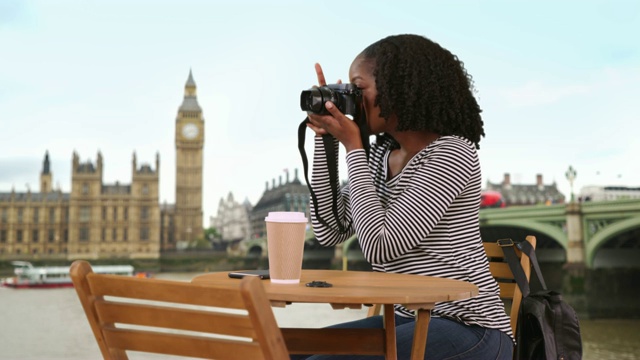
column 49, row 324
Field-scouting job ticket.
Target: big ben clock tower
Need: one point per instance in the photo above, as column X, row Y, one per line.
column 189, row 144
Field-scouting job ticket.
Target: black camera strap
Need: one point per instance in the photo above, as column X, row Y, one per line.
column 332, row 166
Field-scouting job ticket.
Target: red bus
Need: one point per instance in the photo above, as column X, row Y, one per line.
column 491, row 199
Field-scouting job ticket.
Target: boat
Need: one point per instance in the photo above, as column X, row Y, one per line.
column 29, row 276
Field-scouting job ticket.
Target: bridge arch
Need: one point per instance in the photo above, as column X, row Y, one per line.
column 551, row 231
column 606, row 234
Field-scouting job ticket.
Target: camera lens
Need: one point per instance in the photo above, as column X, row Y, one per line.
column 313, row 99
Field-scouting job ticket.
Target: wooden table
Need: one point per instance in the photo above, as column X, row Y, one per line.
column 352, row 289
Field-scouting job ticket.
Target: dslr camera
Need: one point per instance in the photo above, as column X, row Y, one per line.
column 347, row 97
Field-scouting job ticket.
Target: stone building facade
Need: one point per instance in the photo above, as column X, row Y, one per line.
column 288, row 196
column 95, row 220
column 232, row 221
column 527, row 194
column 122, row 220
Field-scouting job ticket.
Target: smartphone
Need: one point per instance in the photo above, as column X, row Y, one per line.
column 262, row 274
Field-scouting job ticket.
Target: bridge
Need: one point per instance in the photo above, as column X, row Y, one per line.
column 602, row 234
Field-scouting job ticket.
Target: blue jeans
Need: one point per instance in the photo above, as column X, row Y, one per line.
column 447, row 339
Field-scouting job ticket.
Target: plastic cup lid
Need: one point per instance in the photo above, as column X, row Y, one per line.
column 286, row 216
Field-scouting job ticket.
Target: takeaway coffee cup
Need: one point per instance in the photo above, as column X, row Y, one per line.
column 285, row 245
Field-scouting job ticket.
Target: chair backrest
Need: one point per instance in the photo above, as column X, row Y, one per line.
column 500, row 270
column 178, row 318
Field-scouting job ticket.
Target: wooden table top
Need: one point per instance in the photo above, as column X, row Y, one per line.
column 360, row 287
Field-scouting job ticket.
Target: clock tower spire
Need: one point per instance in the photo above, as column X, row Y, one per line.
column 189, row 139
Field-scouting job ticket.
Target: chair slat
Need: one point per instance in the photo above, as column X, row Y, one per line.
column 175, row 318
column 506, row 290
column 164, row 290
column 493, row 250
column 348, row 341
column 181, row 345
column 167, row 317
column 500, row 270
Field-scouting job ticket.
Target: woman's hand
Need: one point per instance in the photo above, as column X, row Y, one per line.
column 336, row 124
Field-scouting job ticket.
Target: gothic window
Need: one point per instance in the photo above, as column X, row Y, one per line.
column 103, row 234
column 85, row 214
column 144, row 213
column 126, row 213
column 4, row 215
column 125, row 234
column 115, row 213
column 52, row 214
column 85, row 188
column 84, row 234
column 144, row 233
column 3, row 236
column 19, row 236
column 34, row 235
column 65, row 235
column 20, row 215
column 145, row 189
column 52, row 235
column 104, row 213
column 113, row 234
column 36, row 215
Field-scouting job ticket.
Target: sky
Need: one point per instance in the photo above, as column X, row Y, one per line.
column 558, row 82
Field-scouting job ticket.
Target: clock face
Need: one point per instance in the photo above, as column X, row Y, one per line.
column 190, row 131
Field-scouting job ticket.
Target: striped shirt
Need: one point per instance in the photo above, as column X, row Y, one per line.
column 423, row 221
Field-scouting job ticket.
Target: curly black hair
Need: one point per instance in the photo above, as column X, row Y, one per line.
column 425, row 86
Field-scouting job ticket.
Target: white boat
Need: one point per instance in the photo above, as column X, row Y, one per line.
column 29, row 276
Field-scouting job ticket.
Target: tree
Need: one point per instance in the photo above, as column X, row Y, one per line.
column 212, row 235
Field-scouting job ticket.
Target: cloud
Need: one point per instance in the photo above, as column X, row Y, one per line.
column 536, row 93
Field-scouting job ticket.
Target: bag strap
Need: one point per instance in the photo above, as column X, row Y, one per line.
column 528, row 250
column 507, row 246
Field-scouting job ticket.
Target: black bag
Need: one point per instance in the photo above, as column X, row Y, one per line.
column 548, row 327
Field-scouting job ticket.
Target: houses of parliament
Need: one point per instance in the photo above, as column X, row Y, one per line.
column 100, row 221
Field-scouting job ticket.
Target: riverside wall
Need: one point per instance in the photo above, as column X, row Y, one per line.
column 593, row 293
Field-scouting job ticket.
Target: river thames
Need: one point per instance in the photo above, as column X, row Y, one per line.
column 49, row 324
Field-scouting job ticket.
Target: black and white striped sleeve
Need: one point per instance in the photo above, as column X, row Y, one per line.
column 388, row 232
column 320, row 183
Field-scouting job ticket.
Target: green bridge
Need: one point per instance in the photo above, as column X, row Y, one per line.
column 591, row 234
column 603, row 234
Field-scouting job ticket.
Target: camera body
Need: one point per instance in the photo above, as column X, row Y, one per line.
column 347, row 97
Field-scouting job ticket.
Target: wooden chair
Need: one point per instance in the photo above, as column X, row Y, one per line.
column 509, row 290
column 499, row 268
column 178, row 318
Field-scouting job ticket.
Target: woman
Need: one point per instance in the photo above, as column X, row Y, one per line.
column 414, row 202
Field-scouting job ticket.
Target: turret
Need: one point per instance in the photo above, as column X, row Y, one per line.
column 46, row 178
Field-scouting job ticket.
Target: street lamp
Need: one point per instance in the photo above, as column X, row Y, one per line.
column 571, row 176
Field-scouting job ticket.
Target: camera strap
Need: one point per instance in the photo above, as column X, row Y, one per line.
column 332, row 166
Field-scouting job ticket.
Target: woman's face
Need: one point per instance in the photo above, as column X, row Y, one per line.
column 361, row 75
